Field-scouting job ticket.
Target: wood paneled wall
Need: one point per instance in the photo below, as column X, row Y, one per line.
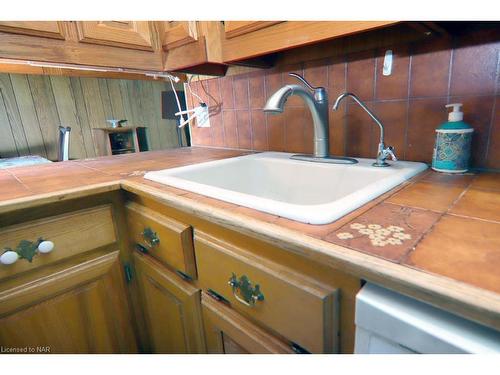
column 33, row 106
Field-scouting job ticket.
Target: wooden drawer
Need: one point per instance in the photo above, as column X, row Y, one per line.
column 227, row 332
column 72, row 234
column 174, row 240
column 291, row 304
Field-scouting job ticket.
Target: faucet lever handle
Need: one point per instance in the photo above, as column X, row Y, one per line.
column 389, row 152
column 303, row 80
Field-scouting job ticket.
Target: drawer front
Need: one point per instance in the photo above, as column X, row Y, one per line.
column 165, row 239
column 227, row 332
column 72, row 234
column 294, row 306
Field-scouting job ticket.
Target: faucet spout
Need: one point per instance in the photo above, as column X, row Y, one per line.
column 317, row 104
column 383, row 152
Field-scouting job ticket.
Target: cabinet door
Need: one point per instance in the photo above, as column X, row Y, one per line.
column 49, row 29
column 174, row 34
column 227, row 332
column 79, row 309
column 171, row 308
column 128, row 34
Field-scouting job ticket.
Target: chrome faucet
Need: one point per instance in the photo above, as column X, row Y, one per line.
column 317, row 102
column 382, row 152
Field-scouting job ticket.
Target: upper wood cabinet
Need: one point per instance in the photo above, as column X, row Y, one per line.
column 128, row 34
column 47, row 29
column 246, row 40
column 192, row 46
column 122, row 44
column 177, row 33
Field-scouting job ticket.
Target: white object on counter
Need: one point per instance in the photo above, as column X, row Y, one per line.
column 390, row 323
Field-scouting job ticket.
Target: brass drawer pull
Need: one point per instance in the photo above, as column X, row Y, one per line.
column 150, row 237
column 26, row 250
column 243, row 286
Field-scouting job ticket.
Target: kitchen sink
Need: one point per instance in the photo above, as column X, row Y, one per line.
column 309, row 192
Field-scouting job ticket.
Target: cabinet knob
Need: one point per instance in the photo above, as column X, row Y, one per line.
column 26, row 250
column 150, row 237
column 45, row 247
column 244, row 291
column 9, row 257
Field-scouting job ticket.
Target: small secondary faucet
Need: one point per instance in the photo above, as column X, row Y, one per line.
column 317, row 102
column 382, row 152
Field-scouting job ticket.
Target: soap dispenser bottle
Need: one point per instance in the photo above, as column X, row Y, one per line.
column 453, row 143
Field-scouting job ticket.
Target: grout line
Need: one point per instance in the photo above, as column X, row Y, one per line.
column 493, row 109
column 430, row 230
column 264, row 87
column 221, row 113
column 450, row 69
column 18, row 179
column 345, row 122
column 234, row 111
column 407, row 120
column 249, row 113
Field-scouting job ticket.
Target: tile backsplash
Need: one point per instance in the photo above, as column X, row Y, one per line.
column 410, row 102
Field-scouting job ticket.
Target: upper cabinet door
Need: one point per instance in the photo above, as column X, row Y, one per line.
column 236, row 28
column 128, row 34
column 48, row 29
column 174, row 34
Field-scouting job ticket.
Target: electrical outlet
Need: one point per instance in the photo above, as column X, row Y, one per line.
column 387, row 68
column 202, row 117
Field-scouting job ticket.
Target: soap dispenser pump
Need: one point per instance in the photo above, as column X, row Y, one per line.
column 453, row 143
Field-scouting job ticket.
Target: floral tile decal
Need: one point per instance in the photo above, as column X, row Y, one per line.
column 387, row 230
column 378, row 235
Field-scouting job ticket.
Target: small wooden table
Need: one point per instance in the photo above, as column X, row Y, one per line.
column 121, row 140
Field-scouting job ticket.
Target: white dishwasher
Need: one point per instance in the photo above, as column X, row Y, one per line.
column 390, row 323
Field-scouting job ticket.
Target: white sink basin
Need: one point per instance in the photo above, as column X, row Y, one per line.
column 315, row 193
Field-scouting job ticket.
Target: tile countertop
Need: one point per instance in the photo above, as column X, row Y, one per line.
column 443, row 225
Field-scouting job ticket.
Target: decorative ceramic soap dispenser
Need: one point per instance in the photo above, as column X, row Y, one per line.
column 453, row 141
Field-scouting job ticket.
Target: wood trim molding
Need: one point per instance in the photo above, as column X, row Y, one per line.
column 290, row 34
column 237, row 28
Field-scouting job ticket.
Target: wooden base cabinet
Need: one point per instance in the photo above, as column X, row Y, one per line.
column 227, row 332
column 300, row 309
column 171, row 308
column 79, row 309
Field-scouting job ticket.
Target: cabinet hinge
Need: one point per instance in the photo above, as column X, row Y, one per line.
column 299, row 349
column 127, row 267
column 184, row 275
column 141, row 248
column 216, row 296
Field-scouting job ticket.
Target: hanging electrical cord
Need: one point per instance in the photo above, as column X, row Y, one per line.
column 192, row 91
column 176, row 98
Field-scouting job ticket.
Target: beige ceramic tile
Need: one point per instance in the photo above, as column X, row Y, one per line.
column 483, row 204
column 464, row 249
column 430, row 196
